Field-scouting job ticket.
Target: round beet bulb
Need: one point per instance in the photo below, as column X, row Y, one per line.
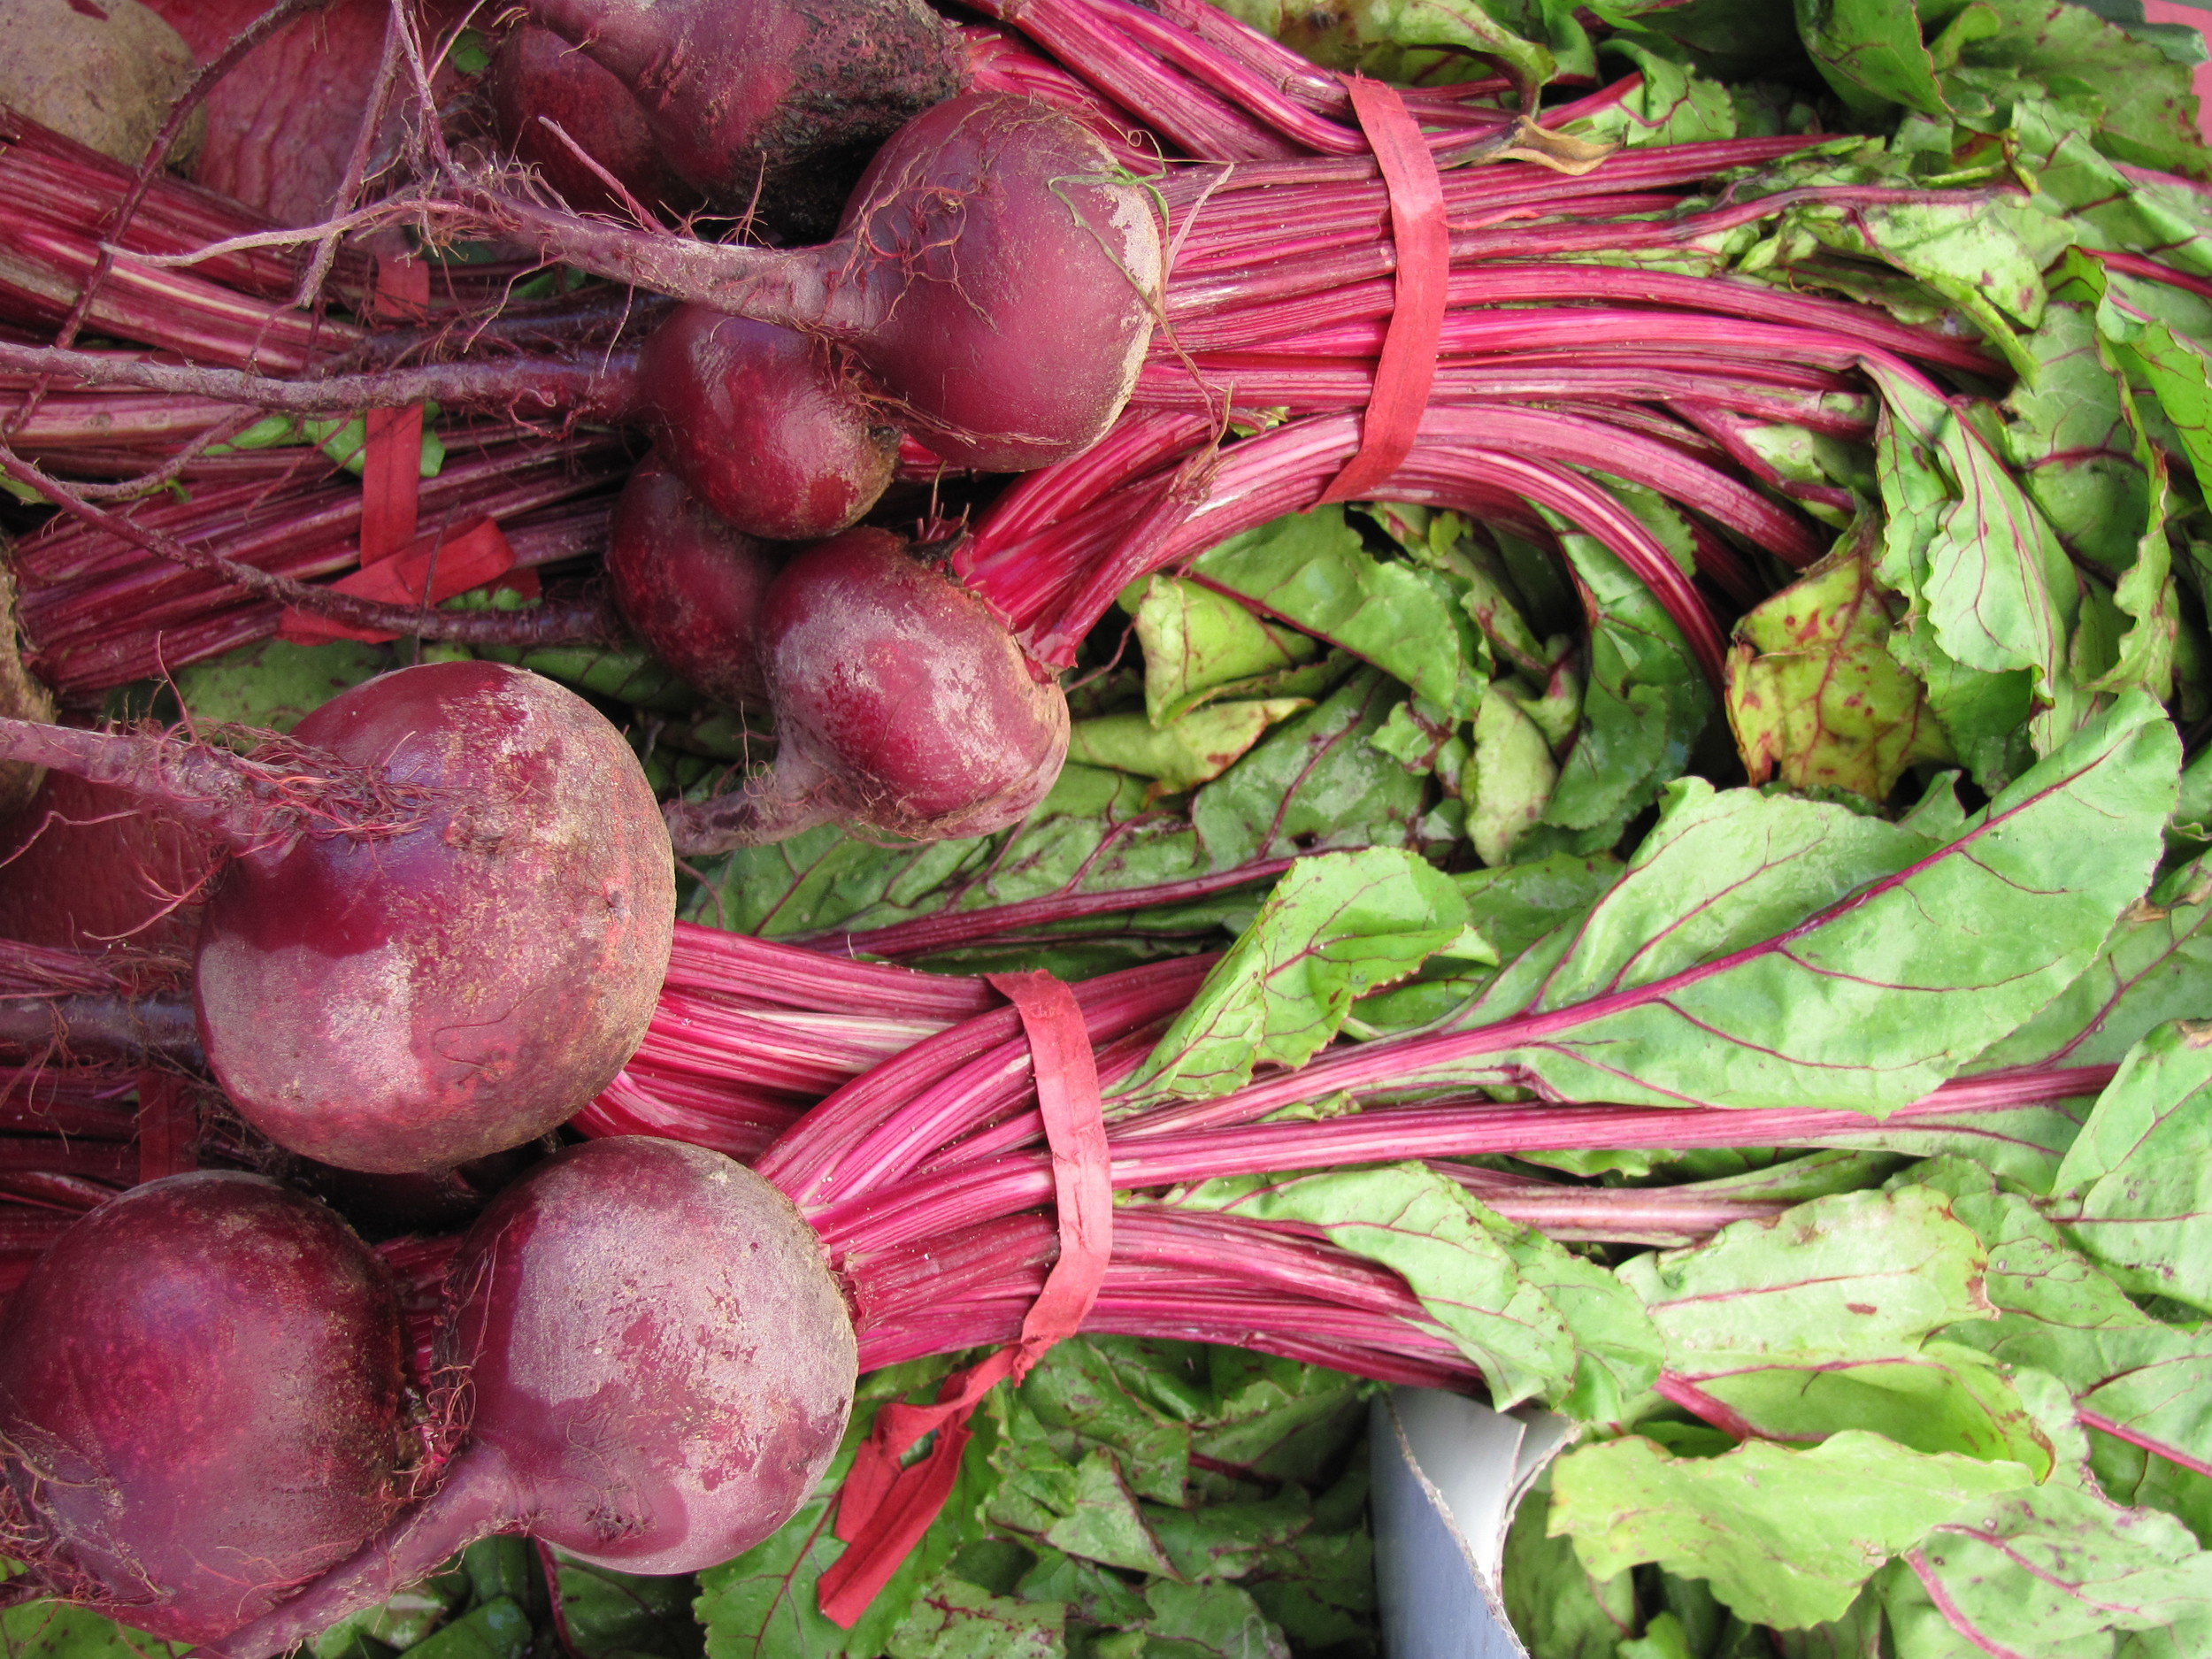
column 770, row 425
column 1014, row 281
column 414, row 998
column 994, row 274
column 902, row 706
column 201, row 1394
column 655, row 1348
column 659, row 1364
column 689, row 585
column 535, row 72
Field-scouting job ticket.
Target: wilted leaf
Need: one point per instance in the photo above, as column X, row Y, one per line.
column 1978, row 563
column 1207, row 1621
column 1814, row 695
column 1870, row 51
column 1199, row 645
column 1191, row 749
column 1785, row 1537
column 953, row 1619
column 1645, row 704
column 1558, row 1609
column 1513, row 775
column 1310, row 570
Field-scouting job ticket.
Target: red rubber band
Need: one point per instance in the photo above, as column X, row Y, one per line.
column 1407, row 368
column 391, row 458
column 883, row 1510
column 432, row 570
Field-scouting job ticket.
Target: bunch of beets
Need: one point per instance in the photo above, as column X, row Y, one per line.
column 438, row 916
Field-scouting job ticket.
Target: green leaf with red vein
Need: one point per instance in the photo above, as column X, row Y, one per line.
column 2054, row 1571
column 1785, row 1538
column 2131, row 1375
column 1764, row 951
column 1335, row 928
column 1981, row 565
column 1851, row 1277
column 2142, row 1168
column 1426, row 1228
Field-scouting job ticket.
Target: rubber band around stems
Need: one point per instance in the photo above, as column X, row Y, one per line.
column 1406, row 369
column 884, row 1509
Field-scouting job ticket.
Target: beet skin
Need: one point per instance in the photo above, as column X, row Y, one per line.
column 200, row 1403
column 689, row 585
column 902, row 707
column 772, row 428
column 466, row 980
column 659, row 1362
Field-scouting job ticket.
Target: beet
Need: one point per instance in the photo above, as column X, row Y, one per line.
column 772, row 427
column 902, row 706
column 659, row 1366
column 413, row 1000
column 201, row 1402
column 689, row 585
column 769, row 98
column 994, row 274
column 444, row 921
column 535, row 72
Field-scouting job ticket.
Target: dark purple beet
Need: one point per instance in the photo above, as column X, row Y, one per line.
column 535, row 72
column 902, row 706
column 660, row 1362
column 688, row 585
column 201, row 1395
column 769, row 97
column 994, row 274
column 410, row 1001
column 770, row 426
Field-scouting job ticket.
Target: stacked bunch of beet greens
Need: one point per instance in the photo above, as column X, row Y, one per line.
column 1678, row 904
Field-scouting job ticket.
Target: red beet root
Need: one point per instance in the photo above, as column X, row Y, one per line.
column 752, row 95
column 200, row 1403
column 413, row 1000
column 445, row 918
column 688, row 585
column 902, row 705
column 768, row 424
column 660, row 1364
column 993, row 273
column 534, row 73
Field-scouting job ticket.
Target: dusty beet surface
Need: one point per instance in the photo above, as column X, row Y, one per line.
column 689, row 585
column 410, row 1001
column 770, row 425
column 660, row 1365
column 1016, row 289
column 902, row 706
column 657, row 1348
column 200, row 1399
column 535, row 72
